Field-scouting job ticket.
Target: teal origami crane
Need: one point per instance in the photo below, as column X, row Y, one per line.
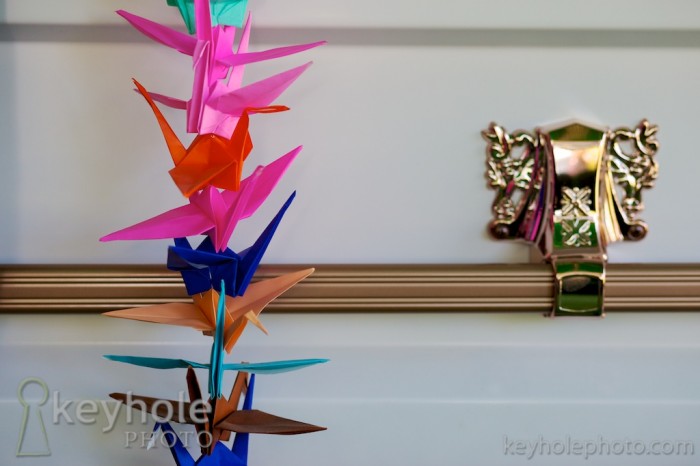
column 225, row 12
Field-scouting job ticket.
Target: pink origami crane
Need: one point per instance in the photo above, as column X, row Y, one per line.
column 217, row 103
column 211, row 211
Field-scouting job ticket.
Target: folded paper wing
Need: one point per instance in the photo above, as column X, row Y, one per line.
column 226, row 103
column 169, row 37
column 200, row 315
column 213, row 57
column 225, row 406
column 217, row 425
column 273, row 367
column 210, row 211
column 245, row 421
column 247, row 307
column 203, row 423
column 259, row 422
column 222, row 46
column 182, row 314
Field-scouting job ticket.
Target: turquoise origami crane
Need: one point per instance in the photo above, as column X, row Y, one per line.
column 228, row 12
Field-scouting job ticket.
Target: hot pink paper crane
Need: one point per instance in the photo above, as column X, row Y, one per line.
column 211, row 211
column 217, row 102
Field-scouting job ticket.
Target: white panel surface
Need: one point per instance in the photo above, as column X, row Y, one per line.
column 443, row 389
column 392, row 169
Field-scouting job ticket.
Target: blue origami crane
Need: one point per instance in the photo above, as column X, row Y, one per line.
column 203, row 268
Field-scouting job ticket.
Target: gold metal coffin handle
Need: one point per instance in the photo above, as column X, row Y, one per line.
column 570, row 190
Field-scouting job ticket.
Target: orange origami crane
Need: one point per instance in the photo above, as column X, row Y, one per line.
column 201, row 315
column 210, row 159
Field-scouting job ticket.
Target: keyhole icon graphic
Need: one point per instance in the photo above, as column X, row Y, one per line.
column 32, row 435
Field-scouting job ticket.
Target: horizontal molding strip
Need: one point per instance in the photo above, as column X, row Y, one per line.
column 351, row 288
column 388, row 14
column 379, row 37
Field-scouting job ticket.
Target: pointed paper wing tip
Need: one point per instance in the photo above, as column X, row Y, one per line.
column 117, row 396
column 106, row 238
column 294, row 152
column 250, row 315
column 138, row 85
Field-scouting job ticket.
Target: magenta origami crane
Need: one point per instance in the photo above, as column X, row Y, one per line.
column 211, row 211
column 218, row 102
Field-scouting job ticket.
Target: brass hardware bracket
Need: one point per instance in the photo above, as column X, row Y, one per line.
column 570, row 190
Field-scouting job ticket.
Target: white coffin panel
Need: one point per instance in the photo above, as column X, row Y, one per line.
column 446, row 389
column 392, row 171
column 393, row 165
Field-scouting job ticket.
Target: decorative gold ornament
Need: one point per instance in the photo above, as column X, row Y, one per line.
column 570, row 190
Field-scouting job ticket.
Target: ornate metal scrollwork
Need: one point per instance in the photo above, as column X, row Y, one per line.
column 514, row 171
column 634, row 171
column 570, row 190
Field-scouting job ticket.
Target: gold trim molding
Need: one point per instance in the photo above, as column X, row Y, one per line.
column 352, row 288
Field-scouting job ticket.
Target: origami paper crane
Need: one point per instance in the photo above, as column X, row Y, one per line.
column 201, row 314
column 212, row 212
column 223, row 418
column 203, row 268
column 220, row 455
column 210, row 159
column 228, row 12
column 217, row 103
column 216, row 364
column 272, row 367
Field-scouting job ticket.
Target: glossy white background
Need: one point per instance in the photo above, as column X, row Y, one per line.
column 392, row 172
column 412, row 389
column 393, row 165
